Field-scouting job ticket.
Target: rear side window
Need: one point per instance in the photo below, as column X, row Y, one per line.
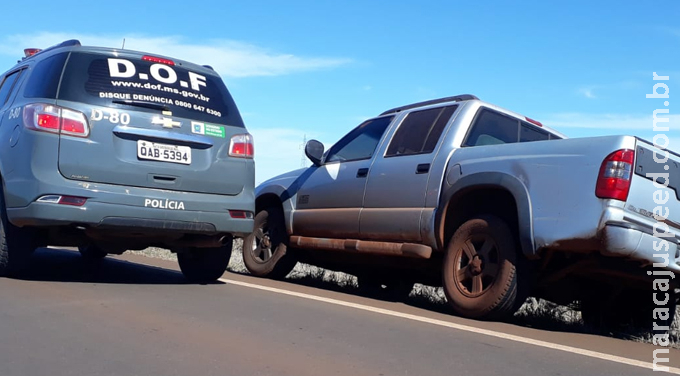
column 44, row 79
column 100, row 80
column 492, row 128
column 7, row 86
column 528, row 133
column 420, row 131
column 360, row 143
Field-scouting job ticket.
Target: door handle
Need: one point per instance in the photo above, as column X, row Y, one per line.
column 362, row 172
column 423, row 168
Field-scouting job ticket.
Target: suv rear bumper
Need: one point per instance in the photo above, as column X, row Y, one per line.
column 632, row 242
column 145, row 209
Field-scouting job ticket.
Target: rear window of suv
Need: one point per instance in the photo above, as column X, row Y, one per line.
column 100, row 80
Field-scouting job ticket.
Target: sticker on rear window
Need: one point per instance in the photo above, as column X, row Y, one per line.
column 189, row 92
column 208, row 129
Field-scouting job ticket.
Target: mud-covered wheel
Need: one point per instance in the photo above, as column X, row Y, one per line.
column 91, row 252
column 265, row 250
column 608, row 309
column 204, row 265
column 480, row 270
column 16, row 244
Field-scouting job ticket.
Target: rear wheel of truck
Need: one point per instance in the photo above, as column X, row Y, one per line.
column 480, row 270
column 91, row 252
column 16, row 244
column 265, row 250
column 204, row 265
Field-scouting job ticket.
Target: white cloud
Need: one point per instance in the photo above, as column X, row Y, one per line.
column 671, row 30
column 588, row 92
column 229, row 58
column 608, row 121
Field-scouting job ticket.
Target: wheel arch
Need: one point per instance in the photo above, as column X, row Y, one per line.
column 486, row 193
column 271, row 198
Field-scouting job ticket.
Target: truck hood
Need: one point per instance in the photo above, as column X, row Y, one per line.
column 283, row 182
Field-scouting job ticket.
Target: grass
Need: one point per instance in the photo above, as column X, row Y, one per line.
column 534, row 313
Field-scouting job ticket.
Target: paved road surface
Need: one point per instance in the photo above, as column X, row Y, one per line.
column 120, row 317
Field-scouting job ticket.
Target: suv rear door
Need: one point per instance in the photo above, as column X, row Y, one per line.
column 154, row 123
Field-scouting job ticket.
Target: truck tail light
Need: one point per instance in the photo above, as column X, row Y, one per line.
column 241, row 146
column 55, row 119
column 613, row 182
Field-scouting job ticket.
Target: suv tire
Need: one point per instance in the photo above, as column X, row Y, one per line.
column 205, row 265
column 16, row 244
column 91, row 252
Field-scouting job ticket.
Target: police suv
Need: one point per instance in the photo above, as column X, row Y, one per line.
column 111, row 150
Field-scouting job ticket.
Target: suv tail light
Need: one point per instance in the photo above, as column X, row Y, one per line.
column 55, row 119
column 241, row 146
column 156, row 59
column 615, row 175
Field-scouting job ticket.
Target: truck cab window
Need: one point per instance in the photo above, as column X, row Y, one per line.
column 420, row 131
column 492, row 128
column 361, row 142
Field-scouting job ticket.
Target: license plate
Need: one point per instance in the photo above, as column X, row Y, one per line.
column 163, row 152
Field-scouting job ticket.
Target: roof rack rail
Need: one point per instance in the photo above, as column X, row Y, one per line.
column 68, row 43
column 457, row 98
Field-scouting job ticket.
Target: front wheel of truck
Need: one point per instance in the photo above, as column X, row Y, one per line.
column 480, row 270
column 204, row 265
column 265, row 250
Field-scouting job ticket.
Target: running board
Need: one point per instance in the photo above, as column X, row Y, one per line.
column 363, row 246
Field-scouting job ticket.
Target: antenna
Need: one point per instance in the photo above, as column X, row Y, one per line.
column 123, row 47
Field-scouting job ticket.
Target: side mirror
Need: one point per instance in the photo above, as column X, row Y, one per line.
column 314, row 151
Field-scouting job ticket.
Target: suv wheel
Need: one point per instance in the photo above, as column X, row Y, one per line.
column 204, row 265
column 480, row 270
column 16, row 244
column 265, row 249
column 91, row 252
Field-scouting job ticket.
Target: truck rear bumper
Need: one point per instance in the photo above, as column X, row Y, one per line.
column 629, row 241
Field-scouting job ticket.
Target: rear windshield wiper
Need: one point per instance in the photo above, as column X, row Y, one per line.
column 153, row 106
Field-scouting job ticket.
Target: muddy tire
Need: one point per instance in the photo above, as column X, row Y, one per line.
column 16, row 245
column 611, row 310
column 204, row 265
column 265, row 250
column 91, row 252
column 480, row 270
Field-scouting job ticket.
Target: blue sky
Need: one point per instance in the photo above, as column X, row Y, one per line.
column 319, row 68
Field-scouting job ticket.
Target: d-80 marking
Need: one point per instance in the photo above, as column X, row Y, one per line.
column 114, row 117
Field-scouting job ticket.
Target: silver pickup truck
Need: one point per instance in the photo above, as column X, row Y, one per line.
column 488, row 203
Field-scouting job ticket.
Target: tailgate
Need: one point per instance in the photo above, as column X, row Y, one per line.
column 153, row 123
column 655, row 189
